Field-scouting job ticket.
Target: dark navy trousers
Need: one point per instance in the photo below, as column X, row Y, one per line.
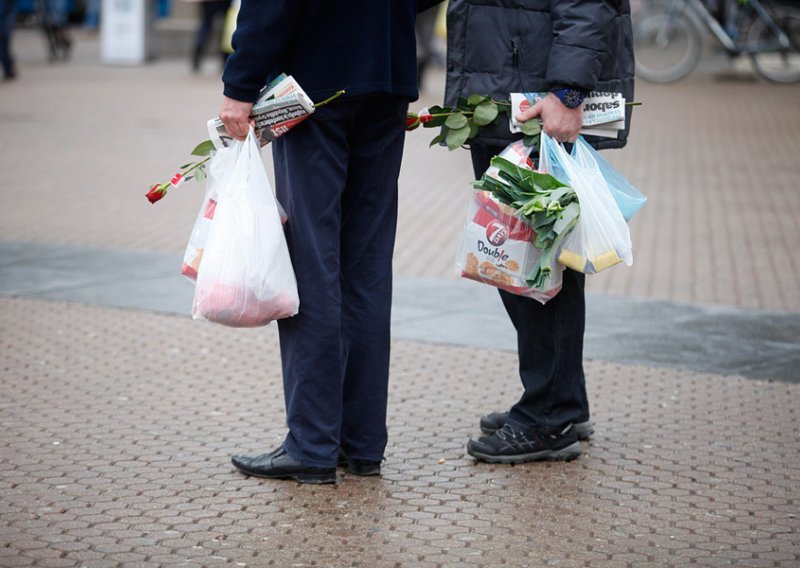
column 336, row 176
column 550, row 345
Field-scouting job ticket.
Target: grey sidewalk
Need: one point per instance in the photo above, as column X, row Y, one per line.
column 713, row 339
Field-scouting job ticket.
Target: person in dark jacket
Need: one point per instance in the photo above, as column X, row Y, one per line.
column 209, row 12
column 567, row 48
column 336, row 176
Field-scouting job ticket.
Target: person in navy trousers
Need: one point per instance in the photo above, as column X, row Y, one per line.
column 336, row 176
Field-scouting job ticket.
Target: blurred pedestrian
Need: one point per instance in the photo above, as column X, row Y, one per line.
column 567, row 49
column 336, row 176
column 56, row 24
column 8, row 13
column 209, row 11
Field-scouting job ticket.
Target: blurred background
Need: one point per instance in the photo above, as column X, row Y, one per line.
column 110, row 103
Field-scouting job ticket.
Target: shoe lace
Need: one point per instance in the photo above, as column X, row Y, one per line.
column 507, row 432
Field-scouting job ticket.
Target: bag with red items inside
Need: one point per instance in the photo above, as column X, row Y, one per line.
column 246, row 277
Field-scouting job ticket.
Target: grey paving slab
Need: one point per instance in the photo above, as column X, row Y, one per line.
column 707, row 338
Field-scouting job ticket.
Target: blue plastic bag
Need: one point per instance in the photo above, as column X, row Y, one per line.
column 628, row 198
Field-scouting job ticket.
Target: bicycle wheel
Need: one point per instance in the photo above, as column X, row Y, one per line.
column 667, row 46
column 772, row 61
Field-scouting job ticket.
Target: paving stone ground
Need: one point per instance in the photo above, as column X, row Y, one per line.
column 117, row 427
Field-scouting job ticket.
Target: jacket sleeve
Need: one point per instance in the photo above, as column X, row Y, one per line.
column 263, row 33
column 582, row 42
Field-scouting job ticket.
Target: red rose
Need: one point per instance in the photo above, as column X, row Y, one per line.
column 412, row 121
column 156, row 192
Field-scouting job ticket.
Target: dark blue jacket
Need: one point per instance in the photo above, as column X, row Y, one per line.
column 362, row 46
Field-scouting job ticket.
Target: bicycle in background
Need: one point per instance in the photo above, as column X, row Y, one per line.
column 667, row 38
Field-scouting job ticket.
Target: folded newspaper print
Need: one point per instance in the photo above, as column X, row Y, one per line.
column 603, row 113
column 282, row 105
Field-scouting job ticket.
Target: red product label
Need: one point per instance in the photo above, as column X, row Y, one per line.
column 490, row 210
column 211, row 206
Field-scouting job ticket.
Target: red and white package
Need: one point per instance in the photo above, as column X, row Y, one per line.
column 497, row 249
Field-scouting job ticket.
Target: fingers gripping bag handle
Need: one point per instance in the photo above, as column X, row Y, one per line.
column 246, row 277
column 601, row 237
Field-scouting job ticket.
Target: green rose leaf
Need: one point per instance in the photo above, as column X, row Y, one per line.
column 438, row 139
column 485, row 113
column 184, row 166
column 531, row 128
column 476, row 99
column 204, row 148
column 456, row 121
column 457, row 136
column 473, row 130
column 200, row 173
column 437, row 121
column 531, row 141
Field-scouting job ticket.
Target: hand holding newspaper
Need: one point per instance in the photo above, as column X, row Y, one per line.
column 603, row 113
column 281, row 105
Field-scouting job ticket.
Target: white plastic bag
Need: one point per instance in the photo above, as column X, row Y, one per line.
column 246, row 277
column 601, row 237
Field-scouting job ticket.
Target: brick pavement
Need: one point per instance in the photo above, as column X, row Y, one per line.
column 117, row 427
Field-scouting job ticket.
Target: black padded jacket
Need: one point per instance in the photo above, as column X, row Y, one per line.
column 496, row 47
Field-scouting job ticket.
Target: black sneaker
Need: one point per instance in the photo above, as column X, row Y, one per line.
column 280, row 465
column 492, row 422
column 359, row 467
column 509, row 445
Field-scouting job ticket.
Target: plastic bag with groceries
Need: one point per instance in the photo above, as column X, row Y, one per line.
column 237, row 251
column 600, row 238
column 497, row 245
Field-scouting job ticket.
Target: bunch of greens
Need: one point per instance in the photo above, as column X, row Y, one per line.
column 550, row 207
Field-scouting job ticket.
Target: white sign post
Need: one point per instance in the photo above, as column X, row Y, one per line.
column 126, row 29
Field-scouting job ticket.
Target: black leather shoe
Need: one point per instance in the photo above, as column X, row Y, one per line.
column 359, row 467
column 280, row 465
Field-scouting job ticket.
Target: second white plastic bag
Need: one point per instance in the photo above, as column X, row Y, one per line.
column 246, row 277
column 601, row 237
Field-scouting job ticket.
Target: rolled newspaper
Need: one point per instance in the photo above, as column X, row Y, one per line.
column 281, row 106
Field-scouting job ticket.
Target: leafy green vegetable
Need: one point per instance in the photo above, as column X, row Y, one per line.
column 550, row 206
